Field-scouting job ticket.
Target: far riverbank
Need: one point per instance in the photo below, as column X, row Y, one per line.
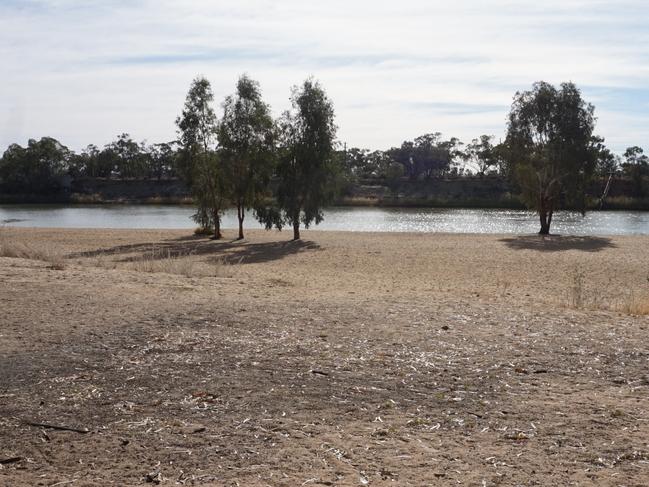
column 450, row 192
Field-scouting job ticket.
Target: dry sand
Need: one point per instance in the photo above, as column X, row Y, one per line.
column 344, row 359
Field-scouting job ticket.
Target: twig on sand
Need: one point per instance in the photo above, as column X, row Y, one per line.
column 57, row 427
column 319, row 372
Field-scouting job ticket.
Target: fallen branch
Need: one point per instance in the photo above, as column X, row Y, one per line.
column 57, row 427
column 7, row 461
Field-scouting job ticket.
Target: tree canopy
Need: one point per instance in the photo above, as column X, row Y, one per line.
column 427, row 156
column 37, row 168
column 636, row 168
column 482, row 154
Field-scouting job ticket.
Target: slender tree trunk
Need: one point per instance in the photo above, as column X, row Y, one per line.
column 296, row 227
column 240, row 215
column 217, row 225
column 545, row 227
column 545, row 215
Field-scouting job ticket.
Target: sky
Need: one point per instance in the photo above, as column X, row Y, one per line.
column 85, row 71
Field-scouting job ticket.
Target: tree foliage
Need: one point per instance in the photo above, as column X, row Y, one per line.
column 125, row 158
column 636, row 168
column 37, row 168
column 359, row 164
column 161, row 159
column 427, row 156
column 482, row 154
column 607, row 163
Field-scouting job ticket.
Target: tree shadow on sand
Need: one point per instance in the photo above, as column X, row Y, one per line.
column 223, row 251
column 558, row 243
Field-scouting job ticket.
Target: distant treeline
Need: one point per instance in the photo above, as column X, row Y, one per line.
column 47, row 167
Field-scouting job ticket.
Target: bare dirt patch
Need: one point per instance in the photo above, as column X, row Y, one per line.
column 346, row 359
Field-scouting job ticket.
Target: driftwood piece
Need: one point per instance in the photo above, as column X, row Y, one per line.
column 319, row 372
column 57, row 427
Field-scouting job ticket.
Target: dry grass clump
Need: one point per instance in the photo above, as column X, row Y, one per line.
column 160, row 261
column 636, row 305
column 577, row 291
column 20, row 250
column 164, row 261
column 200, row 231
column 581, row 296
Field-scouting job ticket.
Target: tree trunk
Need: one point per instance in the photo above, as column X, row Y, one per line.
column 217, row 225
column 240, row 215
column 296, row 228
column 545, row 215
column 544, row 223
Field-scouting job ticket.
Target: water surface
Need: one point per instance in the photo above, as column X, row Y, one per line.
column 339, row 218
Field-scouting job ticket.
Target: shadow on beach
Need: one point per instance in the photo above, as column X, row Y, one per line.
column 558, row 243
column 225, row 251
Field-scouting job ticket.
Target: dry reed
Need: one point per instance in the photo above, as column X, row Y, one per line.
column 21, row 250
column 164, row 261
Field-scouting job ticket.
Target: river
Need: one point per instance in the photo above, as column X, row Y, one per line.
column 339, row 218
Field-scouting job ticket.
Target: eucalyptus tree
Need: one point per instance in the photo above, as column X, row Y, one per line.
column 199, row 162
column 354, row 163
column 128, row 156
column 608, row 163
column 37, row 168
column 636, row 168
column 86, row 164
column 428, row 155
column 161, row 160
column 481, row 154
column 306, row 167
column 433, row 155
column 381, row 165
column 246, row 140
column 551, row 147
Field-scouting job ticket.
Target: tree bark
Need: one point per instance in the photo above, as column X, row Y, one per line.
column 296, row 228
column 217, row 225
column 240, row 215
column 545, row 216
column 545, row 228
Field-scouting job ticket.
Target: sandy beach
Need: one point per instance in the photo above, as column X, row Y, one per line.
column 341, row 359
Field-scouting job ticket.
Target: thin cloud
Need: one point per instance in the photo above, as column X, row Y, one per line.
column 86, row 71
